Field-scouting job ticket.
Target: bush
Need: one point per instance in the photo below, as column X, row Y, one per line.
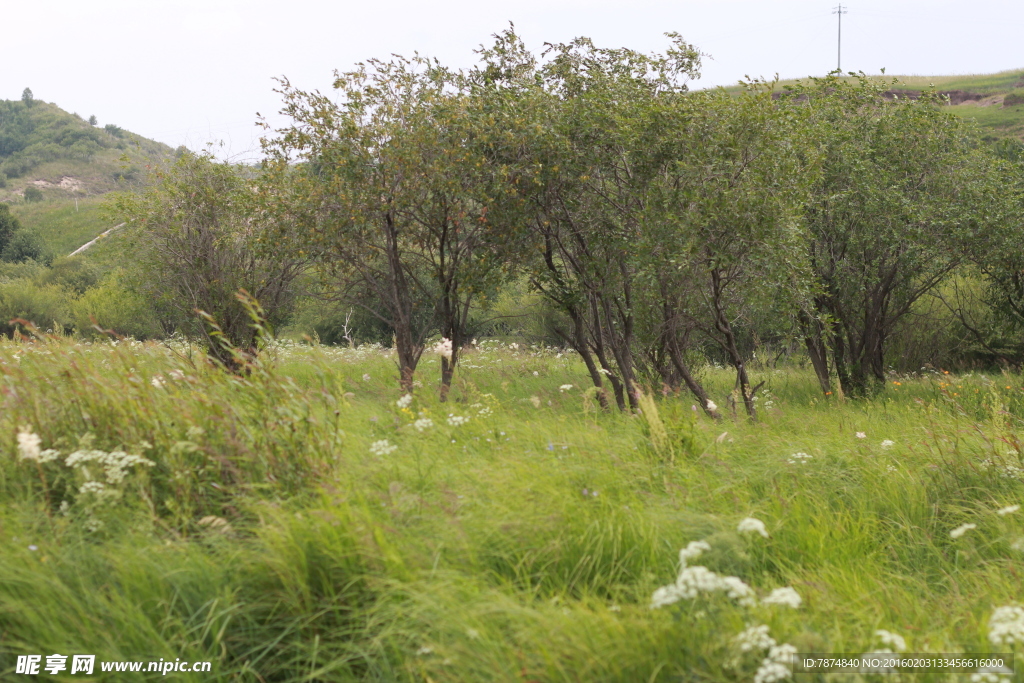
column 1013, row 99
column 24, row 245
column 33, row 194
column 112, row 305
column 45, row 306
column 71, row 273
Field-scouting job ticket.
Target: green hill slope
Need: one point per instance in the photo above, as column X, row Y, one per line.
column 65, row 164
column 994, row 101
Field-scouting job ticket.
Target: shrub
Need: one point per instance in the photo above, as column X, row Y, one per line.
column 24, row 245
column 33, row 194
column 1013, row 99
column 71, row 273
column 45, row 306
column 112, row 305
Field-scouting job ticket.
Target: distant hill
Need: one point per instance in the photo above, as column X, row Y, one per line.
column 994, row 101
column 63, row 156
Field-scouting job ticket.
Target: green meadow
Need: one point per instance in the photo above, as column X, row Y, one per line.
column 304, row 521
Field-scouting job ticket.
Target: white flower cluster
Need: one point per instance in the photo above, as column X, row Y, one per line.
column 564, row 388
column 1009, row 509
column 114, row 464
column 992, row 675
column 405, row 401
column 28, row 447
column 382, row 447
column 799, row 458
column 443, row 348
column 783, row 596
column 423, row 423
column 1006, row 625
column 1005, row 469
column 712, row 406
column 777, row 666
column 752, row 525
column 893, row 640
column 694, row 581
column 888, row 443
column 457, row 420
column 754, row 639
column 961, row 530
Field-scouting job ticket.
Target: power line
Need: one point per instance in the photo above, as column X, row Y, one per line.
column 839, row 46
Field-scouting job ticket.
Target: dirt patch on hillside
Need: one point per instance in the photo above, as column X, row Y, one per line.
column 71, row 184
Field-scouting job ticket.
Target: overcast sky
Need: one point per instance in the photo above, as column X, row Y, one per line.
column 194, row 71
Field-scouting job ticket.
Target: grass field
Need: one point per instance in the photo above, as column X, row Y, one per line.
column 305, row 524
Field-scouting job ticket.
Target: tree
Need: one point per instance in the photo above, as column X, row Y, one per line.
column 579, row 157
column 904, row 194
column 199, row 229
column 26, row 97
column 724, row 235
column 394, row 198
column 93, row 120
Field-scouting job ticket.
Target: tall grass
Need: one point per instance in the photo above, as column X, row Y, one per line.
column 523, row 545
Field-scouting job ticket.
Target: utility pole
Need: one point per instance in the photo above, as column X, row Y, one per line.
column 839, row 47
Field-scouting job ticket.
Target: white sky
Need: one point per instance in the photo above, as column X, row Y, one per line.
column 194, row 71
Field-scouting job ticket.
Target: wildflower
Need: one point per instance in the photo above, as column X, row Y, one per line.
column 472, row 632
column 513, row 346
column 664, row 596
column 382, row 447
column 425, row 650
column 893, row 640
column 1018, row 545
column 861, row 435
column 783, row 596
column 751, row 524
column 1006, row 625
column 1009, row 509
column 604, row 371
column 405, row 401
column 443, row 348
column 33, row 548
column 366, row 377
column 485, row 411
column 712, row 406
column 798, row 458
column 777, row 666
column 987, row 674
column 961, row 530
column 536, row 374
column 423, row 423
column 28, row 443
column 457, row 420
column 176, row 374
column 157, row 381
column 888, row 443
column 754, row 639
column 692, row 551
column 565, row 387
column 535, row 400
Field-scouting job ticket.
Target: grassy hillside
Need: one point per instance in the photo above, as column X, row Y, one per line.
column 994, row 101
column 62, row 156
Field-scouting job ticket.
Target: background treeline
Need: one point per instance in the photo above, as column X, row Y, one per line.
column 587, row 198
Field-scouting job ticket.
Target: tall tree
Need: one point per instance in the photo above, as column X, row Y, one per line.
column 904, row 192
column 394, row 194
